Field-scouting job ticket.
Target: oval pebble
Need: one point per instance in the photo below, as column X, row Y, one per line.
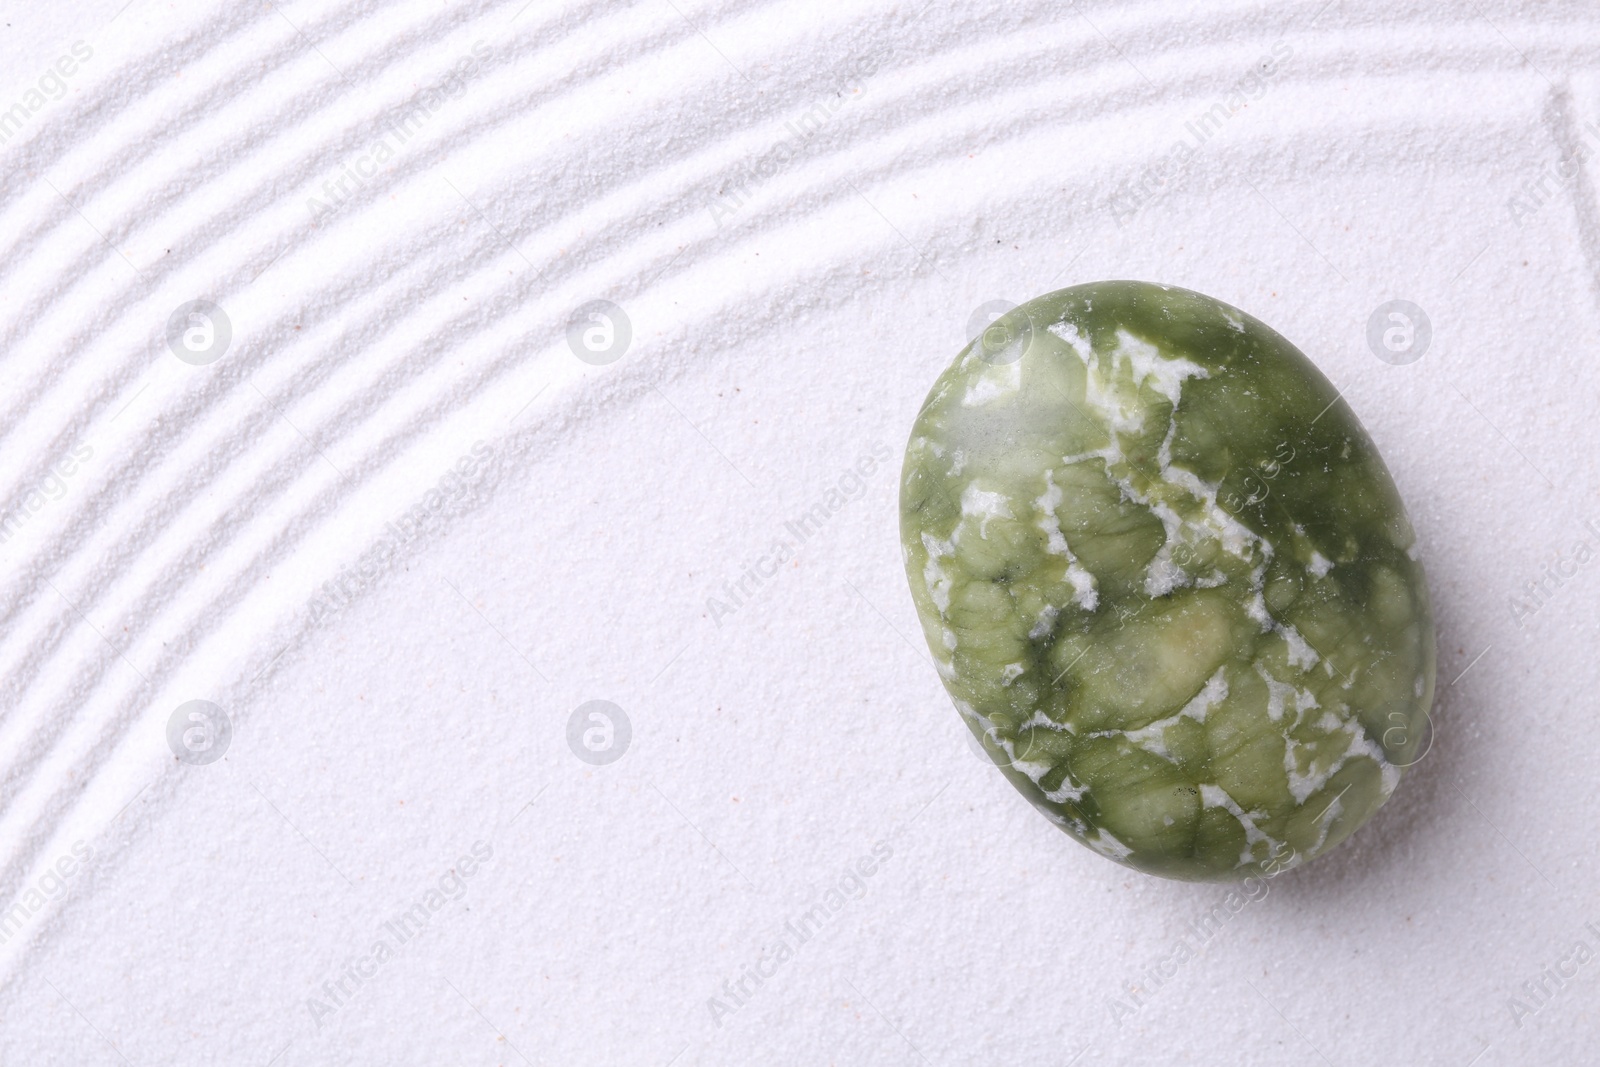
column 1168, row 581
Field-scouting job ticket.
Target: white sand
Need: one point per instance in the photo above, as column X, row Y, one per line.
column 793, row 285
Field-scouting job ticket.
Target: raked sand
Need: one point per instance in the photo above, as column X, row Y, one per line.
column 400, row 536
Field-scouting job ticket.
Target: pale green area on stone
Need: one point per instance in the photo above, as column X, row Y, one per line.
column 1168, row 581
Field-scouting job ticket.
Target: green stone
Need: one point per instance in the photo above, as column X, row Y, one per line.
column 1168, row 581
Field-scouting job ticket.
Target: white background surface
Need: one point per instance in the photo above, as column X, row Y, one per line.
column 597, row 155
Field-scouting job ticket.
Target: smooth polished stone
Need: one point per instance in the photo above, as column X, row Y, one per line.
column 1168, row 581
